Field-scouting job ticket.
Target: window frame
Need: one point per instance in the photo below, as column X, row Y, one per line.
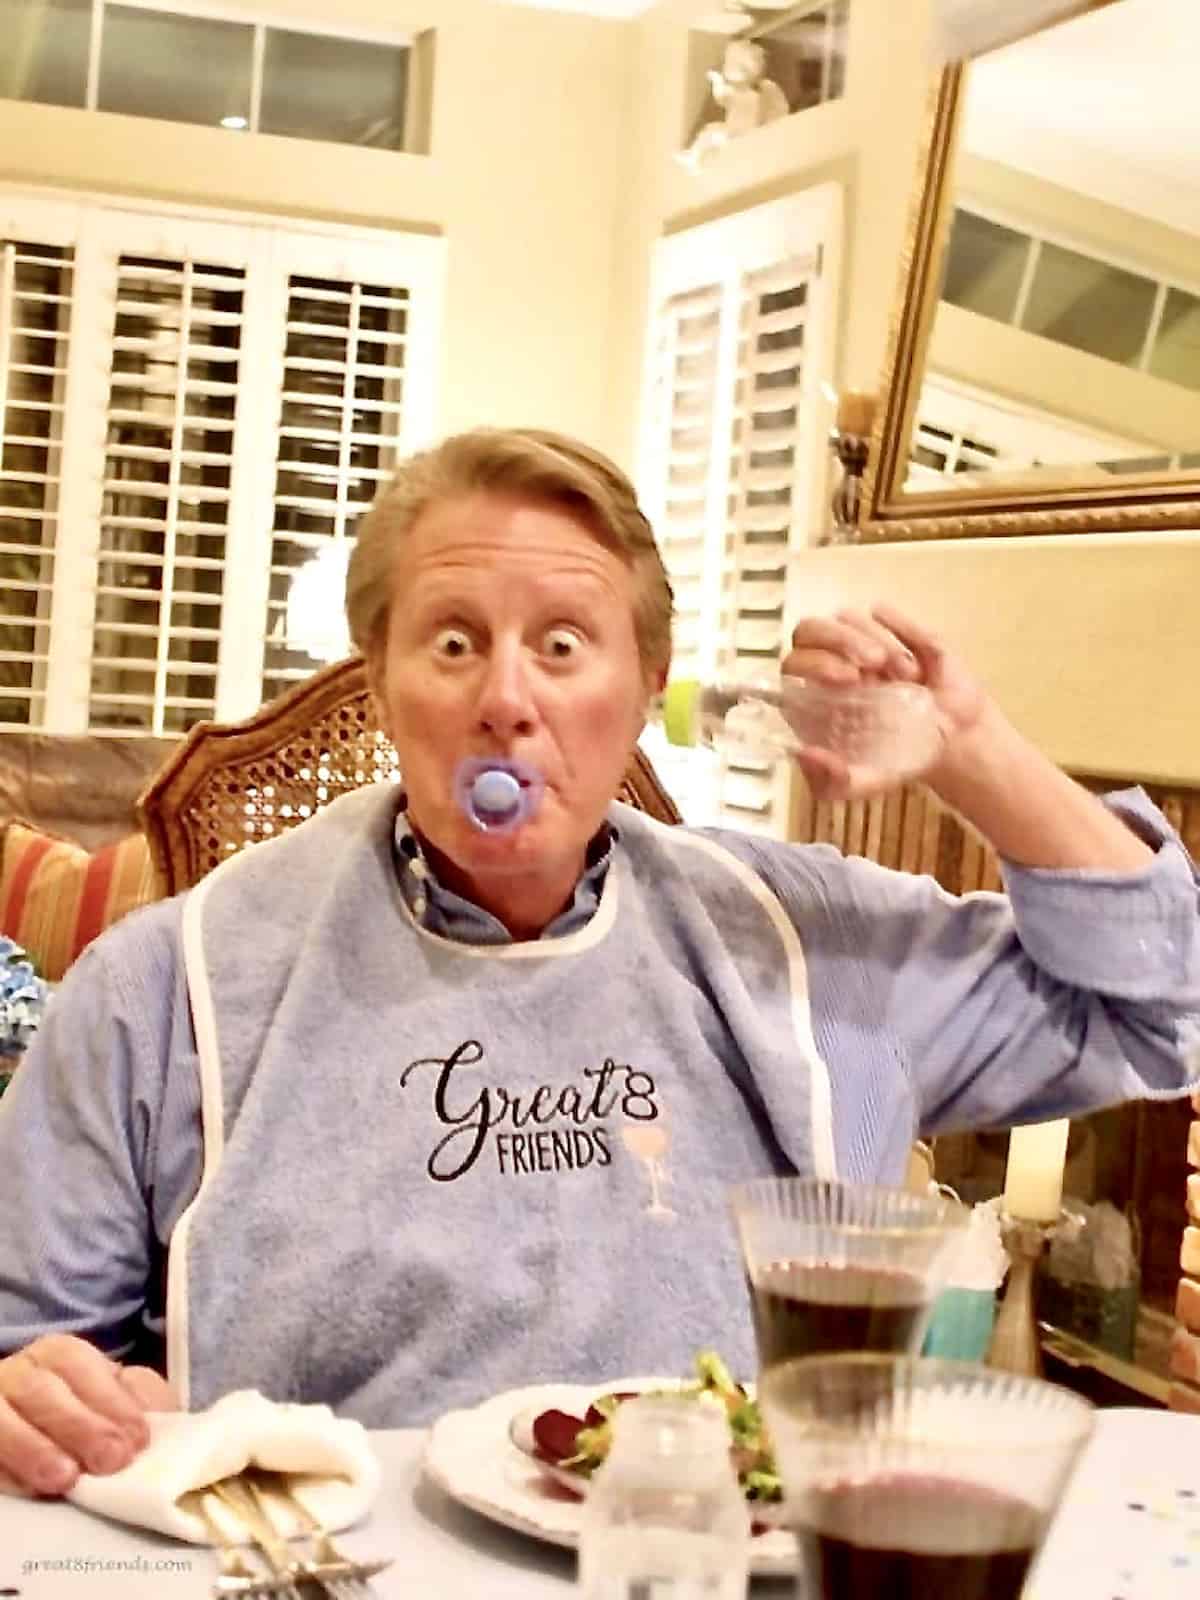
column 100, row 228
column 394, row 38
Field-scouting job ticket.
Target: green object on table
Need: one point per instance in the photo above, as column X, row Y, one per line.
column 961, row 1329
column 1106, row 1318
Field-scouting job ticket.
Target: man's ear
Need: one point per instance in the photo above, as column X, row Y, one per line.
column 654, row 682
column 377, row 691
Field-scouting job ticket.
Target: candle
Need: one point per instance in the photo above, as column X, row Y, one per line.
column 1033, row 1179
column 855, row 413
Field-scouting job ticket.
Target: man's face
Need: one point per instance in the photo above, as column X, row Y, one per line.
column 510, row 633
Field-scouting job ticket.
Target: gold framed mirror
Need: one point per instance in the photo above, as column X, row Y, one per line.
column 1043, row 369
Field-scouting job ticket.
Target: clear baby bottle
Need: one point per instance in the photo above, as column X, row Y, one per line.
column 883, row 730
column 665, row 1518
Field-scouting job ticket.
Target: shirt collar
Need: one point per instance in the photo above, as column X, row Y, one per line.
column 441, row 911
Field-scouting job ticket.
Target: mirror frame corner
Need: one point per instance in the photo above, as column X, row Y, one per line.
column 1146, row 503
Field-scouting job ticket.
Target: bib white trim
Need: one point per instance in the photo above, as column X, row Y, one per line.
column 824, row 1150
column 212, row 1125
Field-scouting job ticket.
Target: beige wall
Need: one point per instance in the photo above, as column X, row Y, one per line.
column 523, row 178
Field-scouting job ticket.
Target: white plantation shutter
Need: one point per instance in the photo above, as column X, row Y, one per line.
column 685, row 380
column 733, row 459
column 347, row 411
column 36, row 282
column 228, row 386
column 167, row 487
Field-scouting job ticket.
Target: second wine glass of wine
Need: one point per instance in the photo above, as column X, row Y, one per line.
column 918, row 1477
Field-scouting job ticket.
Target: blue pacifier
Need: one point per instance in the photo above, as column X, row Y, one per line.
column 496, row 794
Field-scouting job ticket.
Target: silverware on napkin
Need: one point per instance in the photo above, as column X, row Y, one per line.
column 254, row 1499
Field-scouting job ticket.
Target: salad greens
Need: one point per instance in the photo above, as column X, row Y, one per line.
column 751, row 1448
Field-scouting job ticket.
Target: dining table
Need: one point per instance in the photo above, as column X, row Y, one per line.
column 1128, row 1529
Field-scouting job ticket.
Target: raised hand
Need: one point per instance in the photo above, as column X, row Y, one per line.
column 882, row 645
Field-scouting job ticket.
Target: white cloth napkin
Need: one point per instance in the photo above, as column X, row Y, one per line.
column 338, row 1474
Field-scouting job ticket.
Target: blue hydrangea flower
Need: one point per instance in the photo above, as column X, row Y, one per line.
column 23, row 999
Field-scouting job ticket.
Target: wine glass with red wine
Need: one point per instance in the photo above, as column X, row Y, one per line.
column 834, row 1266
column 906, row 1477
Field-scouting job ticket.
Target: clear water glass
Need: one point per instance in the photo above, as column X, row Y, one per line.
column 665, row 1518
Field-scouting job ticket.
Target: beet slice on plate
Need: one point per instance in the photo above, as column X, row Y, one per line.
column 555, row 1433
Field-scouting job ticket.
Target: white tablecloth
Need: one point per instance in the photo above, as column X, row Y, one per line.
column 1129, row 1530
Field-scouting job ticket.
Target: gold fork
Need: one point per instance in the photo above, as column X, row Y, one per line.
column 288, row 1573
column 249, row 1496
column 237, row 1576
column 337, row 1570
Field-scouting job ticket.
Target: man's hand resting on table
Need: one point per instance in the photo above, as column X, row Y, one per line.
column 65, row 1409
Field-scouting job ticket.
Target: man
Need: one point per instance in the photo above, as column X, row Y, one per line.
column 379, row 1090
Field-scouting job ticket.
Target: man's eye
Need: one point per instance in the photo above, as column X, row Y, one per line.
column 561, row 643
column 452, row 642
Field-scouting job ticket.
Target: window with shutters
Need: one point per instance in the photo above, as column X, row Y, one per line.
column 962, row 432
column 190, row 411
column 733, row 460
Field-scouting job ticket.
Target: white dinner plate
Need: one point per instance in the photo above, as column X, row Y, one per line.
column 471, row 1456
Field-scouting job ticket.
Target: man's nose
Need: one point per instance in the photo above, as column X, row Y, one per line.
column 506, row 707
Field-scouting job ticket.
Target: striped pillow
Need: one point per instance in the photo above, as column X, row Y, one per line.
column 55, row 897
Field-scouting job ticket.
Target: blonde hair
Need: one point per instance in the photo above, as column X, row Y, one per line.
column 531, row 462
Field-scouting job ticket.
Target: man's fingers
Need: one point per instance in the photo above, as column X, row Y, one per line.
column 46, row 1403
column 30, row 1460
column 844, row 642
column 65, row 1407
column 94, row 1380
column 10, row 1486
column 840, row 650
column 899, row 661
column 882, row 642
column 925, row 646
column 149, row 1388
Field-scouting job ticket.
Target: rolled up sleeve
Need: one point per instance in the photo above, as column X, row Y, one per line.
column 1128, row 935
column 1076, row 991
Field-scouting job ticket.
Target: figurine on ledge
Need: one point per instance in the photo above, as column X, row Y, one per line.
column 747, row 98
column 850, row 440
